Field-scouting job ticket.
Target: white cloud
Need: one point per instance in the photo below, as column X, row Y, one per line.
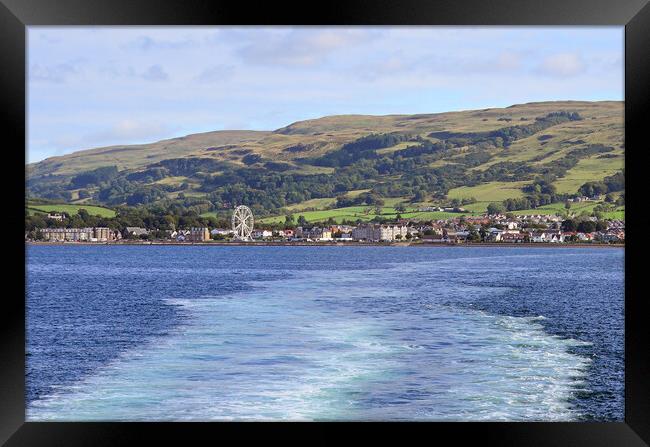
column 148, row 43
column 216, row 73
column 58, row 73
column 155, row 73
column 300, row 47
column 562, row 65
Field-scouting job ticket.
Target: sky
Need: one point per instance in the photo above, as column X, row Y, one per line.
column 99, row 86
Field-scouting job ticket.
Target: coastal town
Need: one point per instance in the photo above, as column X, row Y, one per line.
column 497, row 229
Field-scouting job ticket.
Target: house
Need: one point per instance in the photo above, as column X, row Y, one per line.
column 513, row 237
column 462, row 236
column 319, row 234
column 262, row 234
column 103, row 234
column 136, row 231
column 554, row 236
column 379, row 232
column 585, row 237
column 326, row 235
column 392, row 232
column 199, row 234
column 481, row 220
column 414, row 232
column 607, row 237
column 436, row 238
column 494, row 235
column 537, row 236
column 55, row 216
column 221, row 232
column 364, row 232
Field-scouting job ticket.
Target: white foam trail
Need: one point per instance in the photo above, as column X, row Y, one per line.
column 304, row 349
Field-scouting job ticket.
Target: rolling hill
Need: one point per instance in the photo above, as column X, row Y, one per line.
column 541, row 152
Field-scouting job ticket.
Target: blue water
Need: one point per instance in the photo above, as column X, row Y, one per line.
column 324, row 333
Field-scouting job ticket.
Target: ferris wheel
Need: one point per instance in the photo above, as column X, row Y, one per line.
column 242, row 222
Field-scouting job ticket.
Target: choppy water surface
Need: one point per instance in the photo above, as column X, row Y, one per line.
column 324, row 333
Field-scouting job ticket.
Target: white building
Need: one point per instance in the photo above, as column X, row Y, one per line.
column 221, row 232
column 379, row 232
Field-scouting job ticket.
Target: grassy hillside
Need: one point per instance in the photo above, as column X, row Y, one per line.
column 70, row 209
column 477, row 155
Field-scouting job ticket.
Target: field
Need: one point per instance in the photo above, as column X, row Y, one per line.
column 575, row 209
column 486, row 194
column 590, row 169
column 313, row 203
column 489, row 192
column 618, row 213
column 366, row 213
column 70, row 209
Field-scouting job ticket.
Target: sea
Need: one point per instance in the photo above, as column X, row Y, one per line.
column 309, row 333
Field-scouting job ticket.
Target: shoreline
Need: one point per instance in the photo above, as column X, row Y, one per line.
column 332, row 244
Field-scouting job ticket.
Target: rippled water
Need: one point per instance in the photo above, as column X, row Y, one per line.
column 324, row 333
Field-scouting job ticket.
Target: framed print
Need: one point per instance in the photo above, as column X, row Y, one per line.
column 416, row 217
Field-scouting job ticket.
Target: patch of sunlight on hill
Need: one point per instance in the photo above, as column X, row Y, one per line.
column 70, row 209
column 489, row 192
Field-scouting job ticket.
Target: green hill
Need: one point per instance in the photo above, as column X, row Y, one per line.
column 471, row 157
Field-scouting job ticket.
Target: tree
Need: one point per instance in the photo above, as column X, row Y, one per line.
column 495, row 208
column 289, row 220
column 621, row 200
column 83, row 214
column 419, row 196
column 586, row 226
column 569, row 225
column 302, row 222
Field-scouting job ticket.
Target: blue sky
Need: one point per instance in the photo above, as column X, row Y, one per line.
column 99, row 86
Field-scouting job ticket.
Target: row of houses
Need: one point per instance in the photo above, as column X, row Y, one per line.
column 518, row 229
column 95, row 234
column 525, row 236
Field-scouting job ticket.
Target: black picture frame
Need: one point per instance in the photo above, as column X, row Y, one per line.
column 15, row 15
